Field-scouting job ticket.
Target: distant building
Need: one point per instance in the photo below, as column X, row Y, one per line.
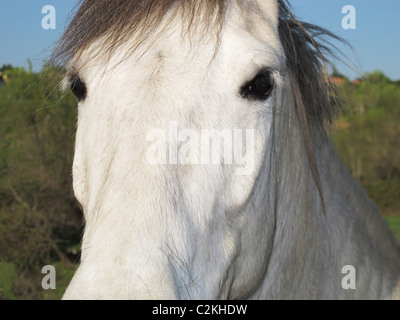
column 337, row 80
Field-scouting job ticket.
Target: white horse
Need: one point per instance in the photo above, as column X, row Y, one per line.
column 153, row 77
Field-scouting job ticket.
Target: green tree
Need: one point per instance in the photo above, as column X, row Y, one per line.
column 39, row 218
column 368, row 137
column 6, row 67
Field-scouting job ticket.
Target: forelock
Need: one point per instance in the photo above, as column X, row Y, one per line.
column 119, row 21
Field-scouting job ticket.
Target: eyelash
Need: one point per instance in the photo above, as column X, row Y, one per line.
column 78, row 87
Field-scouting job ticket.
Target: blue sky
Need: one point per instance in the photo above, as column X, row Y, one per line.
column 376, row 39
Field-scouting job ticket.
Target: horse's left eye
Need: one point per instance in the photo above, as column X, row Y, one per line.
column 78, row 87
column 260, row 88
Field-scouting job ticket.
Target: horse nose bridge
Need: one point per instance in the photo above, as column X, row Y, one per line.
column 124, row 254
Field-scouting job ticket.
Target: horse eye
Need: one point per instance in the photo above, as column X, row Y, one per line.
column 260, row 88
column 78, row 87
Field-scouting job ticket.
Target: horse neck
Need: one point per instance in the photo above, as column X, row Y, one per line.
column 311, row 245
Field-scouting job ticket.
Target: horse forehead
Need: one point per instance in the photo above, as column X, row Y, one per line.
column 270, row 8
column 249, row 24
column 254, row 24
column 261, row 13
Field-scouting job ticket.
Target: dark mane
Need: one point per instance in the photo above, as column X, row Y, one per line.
column 303, row 43
column 306, row 53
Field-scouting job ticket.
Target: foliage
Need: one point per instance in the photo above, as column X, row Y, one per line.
column 7, row 277
column 6, row 67
column 367, row 137
column 39, row 218
column 394, row 223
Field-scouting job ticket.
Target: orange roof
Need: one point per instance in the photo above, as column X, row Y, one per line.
column 337, row 80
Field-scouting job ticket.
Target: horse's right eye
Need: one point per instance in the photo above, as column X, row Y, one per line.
column 260, row 88
column 78, row 87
